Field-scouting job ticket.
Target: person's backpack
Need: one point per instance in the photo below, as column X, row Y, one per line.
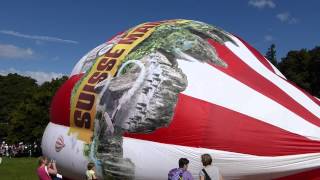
column 176, row 174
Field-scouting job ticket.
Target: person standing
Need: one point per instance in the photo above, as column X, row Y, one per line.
column 209, row 171
column 45, row 169
column 180, row 173
column 90, row 173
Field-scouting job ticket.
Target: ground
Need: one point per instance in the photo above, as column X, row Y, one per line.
column 18, row 168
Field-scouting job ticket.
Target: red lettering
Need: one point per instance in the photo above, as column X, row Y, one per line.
column 143, row 29
column 106, row 65
column 88, row 88
column 97, row 77
column 82, row 119
column 85, row 101
column 130, row 39
column 115, row 54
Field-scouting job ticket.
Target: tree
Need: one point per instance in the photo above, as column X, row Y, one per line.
column 303, row 68
column 271, row 55
column 14, row 90
column 25, row 107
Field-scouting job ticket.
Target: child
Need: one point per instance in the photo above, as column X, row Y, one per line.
column 90, row 174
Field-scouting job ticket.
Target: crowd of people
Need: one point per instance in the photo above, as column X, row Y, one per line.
column 47, row 170
column 19, row 150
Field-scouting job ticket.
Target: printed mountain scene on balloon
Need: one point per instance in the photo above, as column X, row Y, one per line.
column 170, row 41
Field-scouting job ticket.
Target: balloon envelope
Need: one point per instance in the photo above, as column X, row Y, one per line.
column 164, row 90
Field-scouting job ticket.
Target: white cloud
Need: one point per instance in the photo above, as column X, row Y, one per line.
column 283, row 16
column 41, row 77
column 14, row 52
column 268, row 38
column 262, row 3
column 37, row 37
column 286, row 17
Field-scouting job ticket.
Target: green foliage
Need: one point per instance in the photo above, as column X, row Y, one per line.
column 18, row 168
column 271, row 55
column 303, row 68
column 14, row 89
column 24, row 107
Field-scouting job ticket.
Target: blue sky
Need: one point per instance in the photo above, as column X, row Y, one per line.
column 45, row 39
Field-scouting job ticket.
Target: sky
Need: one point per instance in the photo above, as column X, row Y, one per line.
column 45, row 39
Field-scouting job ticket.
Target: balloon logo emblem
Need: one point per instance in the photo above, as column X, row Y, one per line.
column 59, row 144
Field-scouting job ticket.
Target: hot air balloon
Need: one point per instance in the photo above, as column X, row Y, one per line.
column 164, row 90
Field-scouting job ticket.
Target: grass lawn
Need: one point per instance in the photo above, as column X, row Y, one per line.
column 18, row 168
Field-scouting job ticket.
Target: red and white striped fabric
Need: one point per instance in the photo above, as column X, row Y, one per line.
column 255, row 123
